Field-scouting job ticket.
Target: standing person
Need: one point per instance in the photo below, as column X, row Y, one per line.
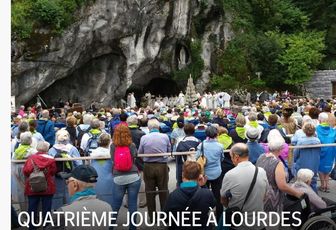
column 25, row 148
column 237, row 183
column 47, row 165
column 156, row 168
column 238, row 134
column 137, row 133
column 191, row 195
column 287, row 122
column 252, row 117
column 23, row 127
column 220, row 118
column 89, row 140
column 82, row 129
column 46, row 128
column 308, row 158
column 327, row 135
column 81, row 188
column 63, row 149
column 214, row 153
column 178, row 133
column 276, row 176
column 254, row 148
column 71, row 128
column 186, row 144
column 37, row 137
column 124, row 179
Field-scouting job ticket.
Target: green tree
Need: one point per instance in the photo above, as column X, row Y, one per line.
column 302, row 53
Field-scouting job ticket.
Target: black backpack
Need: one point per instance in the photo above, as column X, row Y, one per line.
column 81, row 132
column 62, row 166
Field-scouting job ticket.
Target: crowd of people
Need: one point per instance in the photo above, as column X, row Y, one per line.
column 259, row 137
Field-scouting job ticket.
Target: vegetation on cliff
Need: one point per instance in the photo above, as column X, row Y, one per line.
column 275, row 39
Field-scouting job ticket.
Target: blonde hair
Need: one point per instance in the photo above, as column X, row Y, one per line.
column 240, row 121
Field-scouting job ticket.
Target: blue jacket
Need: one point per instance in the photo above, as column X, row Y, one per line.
column 307, row 158
column 47, row 129
column 255, row 150
column 214, row 153
column 327, row 135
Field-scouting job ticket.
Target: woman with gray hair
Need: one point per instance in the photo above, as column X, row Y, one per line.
column 302, row 183
column 276, row 176
column 25, row 148
column 64, row 148
column 47, row 164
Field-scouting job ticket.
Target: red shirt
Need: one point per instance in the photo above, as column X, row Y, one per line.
column 42, row 161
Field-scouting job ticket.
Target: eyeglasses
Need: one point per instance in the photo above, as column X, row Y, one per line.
column 69, row 181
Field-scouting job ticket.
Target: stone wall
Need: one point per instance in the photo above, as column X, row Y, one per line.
column 321, row 84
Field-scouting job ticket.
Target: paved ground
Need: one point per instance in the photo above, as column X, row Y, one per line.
column 172, row 184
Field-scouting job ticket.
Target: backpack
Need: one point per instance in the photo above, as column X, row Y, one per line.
column 92, row 143
column 122, row 159
column 16, row 145
column 63, row 166
column 37, row 179
column 81, row 132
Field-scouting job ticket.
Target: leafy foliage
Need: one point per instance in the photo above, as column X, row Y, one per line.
column 271, row 37
column 55, row 15
column 301, row 55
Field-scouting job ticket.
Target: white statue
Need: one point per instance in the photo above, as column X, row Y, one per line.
column 133, row 101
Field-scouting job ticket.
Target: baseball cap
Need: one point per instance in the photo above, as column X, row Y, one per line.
column 85, row 173
column 252, row 133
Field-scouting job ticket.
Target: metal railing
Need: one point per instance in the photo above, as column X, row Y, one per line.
column 174, row 153
column 88, row 160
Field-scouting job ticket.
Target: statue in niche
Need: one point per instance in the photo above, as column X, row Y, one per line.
column 182, row 58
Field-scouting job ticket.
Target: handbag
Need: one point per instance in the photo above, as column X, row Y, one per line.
column 229, row 211
column 202, row 159
column 290, row 174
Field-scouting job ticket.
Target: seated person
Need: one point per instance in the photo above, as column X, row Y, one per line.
column 302, row 183
column 191, row 195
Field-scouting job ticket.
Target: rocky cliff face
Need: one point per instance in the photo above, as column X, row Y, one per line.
column 115, row 45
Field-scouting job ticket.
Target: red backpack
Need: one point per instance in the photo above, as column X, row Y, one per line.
column 122, row 159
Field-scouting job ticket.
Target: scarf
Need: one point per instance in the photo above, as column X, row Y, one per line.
column 85, row 192
column 225, row 140
column 21, row 151
column 133, row 126
column 154, row 131
column 241, row 132
column 324, row 124
column 254, row 124
column 95, row 131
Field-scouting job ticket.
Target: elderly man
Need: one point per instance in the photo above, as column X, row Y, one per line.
column 238, row 182
column 46, row 128
column 81, row 182
column 155, row 168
